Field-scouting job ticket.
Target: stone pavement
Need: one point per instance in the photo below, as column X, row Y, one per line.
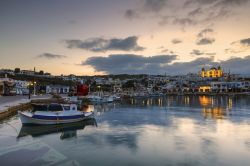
column 9, row 101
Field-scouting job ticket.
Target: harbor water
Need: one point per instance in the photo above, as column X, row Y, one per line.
column 165, row 131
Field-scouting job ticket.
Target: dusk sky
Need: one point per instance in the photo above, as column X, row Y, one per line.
column 88, row 37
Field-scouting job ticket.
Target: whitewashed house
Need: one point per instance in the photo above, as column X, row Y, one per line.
column 57, row 89
column 21, row 87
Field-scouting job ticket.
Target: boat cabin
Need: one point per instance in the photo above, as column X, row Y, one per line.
column 54, row 107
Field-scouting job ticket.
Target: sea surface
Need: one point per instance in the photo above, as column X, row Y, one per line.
column 167, row 131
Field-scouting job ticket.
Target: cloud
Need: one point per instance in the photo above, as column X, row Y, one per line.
column 154, row 5
column 176, row 20
column 51, row 56
column 129, row 63
column 199, row 52
column 239, row 46
column 204, row 37
column 205, row 32
column 103, row 45
column 184, row 21
column 131, row 14
column 216, row 3
column 187, row 12
column 195, row 12
column 146, row 7
column 160, row 64
column 204, row 41
column 196, row 52
column 176, row 41
column 237, row 65
column 245, row 42
column 230, row 3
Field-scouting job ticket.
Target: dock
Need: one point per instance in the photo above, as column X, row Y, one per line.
column 10, row 108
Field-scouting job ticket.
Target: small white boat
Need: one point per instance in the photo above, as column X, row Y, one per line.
column 54, row 114
column 115, row 97
column 100, row 99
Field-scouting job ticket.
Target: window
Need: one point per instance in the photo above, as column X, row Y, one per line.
column 55, row 107
column 66, row 108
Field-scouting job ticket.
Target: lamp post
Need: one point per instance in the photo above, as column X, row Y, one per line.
column 29, row 86
column 99, row 90
column 34, row 88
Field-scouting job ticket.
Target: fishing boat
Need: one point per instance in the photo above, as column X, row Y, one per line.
column 53, row 114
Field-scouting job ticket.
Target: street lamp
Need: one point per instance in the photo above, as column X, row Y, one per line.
column 34, row 88
column 29, row 86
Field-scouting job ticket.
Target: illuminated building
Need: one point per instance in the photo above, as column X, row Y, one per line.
column 205, row 88
column 212, row 72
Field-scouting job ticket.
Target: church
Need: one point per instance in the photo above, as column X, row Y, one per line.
column 212, row 72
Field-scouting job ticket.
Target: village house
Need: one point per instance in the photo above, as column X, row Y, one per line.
column 57, row 89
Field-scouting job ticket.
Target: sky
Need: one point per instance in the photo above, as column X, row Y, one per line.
column 92, row 37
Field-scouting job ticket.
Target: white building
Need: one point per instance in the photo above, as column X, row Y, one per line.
column 27, row 72
column 21, row 87
column 57, row 89
column 230, row 86
column 70, row 77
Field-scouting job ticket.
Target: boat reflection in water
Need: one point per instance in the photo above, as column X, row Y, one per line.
column 68, row 130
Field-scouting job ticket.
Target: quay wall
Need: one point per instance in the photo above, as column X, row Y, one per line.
column 12, row 110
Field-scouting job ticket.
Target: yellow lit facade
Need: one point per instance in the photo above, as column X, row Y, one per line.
column 205, row 88
column 212, row 73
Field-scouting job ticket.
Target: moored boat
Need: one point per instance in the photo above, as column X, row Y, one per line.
column 54, row 114
column 100, row 99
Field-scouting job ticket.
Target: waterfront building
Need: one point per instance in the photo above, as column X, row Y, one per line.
column 8, row 86
column 212, row 72
column 7, row 71
column 21, row 87
column 230, row 86
column 27, row 72
column 57, row 89
column 205, row 88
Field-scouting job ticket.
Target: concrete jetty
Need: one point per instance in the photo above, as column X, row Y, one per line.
column 10, row 105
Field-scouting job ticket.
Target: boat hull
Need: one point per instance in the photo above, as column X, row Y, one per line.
column 27, row 119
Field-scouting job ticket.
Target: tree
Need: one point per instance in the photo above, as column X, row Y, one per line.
column 41, row 72
column 17, row 70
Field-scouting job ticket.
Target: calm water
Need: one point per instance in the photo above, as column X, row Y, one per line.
column 162, row 131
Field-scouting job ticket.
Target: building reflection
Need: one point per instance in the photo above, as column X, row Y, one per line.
column 101, row 108
column 211, row 106
column 205, row 101
column 215, row 107
column 214, row 113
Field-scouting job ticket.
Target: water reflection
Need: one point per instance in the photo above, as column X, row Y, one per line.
column 67, row 130
column 192, row 100
column 216, row 107
column 215, row 113
column 174, row 130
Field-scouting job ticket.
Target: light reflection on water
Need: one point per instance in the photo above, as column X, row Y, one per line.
column 176, row 130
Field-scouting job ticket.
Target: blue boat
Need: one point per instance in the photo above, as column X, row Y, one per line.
column 54, row 114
